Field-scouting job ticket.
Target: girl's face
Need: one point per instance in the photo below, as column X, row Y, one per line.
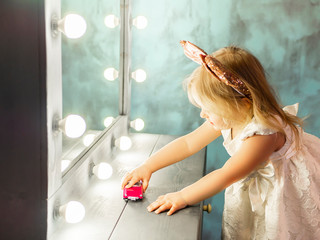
column 216, row 121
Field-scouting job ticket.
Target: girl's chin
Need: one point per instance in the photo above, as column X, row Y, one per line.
column 214, row 126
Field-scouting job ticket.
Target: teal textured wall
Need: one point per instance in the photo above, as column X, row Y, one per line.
column 85, row 90
column 283, row 34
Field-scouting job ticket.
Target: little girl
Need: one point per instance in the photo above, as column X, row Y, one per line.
column 272, row 178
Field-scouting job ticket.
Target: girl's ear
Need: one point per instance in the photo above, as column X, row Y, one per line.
column 246, row 102
column 247, row 106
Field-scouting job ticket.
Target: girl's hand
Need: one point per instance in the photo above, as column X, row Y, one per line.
column 172, row 201
column 140, row 173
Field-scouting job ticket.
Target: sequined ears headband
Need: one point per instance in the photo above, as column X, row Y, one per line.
column 215, row 67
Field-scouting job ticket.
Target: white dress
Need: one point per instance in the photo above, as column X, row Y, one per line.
column 280, row 200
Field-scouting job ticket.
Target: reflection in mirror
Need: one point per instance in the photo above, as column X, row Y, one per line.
column 90, row 67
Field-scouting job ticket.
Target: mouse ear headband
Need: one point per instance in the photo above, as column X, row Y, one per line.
column 215, row 67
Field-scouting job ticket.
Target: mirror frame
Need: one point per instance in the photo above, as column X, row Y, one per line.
column 54, row 94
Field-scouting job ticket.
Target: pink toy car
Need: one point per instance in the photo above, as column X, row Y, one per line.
column 134, row 193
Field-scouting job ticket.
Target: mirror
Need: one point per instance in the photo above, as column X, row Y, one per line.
column 90, row 65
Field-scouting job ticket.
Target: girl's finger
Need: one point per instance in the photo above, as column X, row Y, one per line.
column 172, row 210
column 132, row 181
column 145, row 184
column 154, row 205
column 125, row 180
column 163, row 207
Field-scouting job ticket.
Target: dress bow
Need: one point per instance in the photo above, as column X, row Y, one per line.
column 259, row 184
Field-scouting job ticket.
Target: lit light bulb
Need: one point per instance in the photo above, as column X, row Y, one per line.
column 103, row 170
column 124, row 143
column 111, row 21
column 139, row 75
column 72, row 25
column 72, row 212
column 137, row 124
column 108, row 121
column 88, row 139
column 110, row 74
column 65, row 164
column 73, row 125
column 140, row 22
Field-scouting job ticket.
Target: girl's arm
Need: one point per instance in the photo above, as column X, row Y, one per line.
column 253, row 152
column 183, row 147
column 173, row 152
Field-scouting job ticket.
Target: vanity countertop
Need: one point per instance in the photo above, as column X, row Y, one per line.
column 108, row 216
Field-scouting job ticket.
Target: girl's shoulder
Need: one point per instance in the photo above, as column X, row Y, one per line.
column 255, row 128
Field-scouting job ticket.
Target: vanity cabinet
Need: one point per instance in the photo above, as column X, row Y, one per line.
column 108, row 216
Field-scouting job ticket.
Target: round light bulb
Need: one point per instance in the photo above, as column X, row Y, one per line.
column 111, row 21
column 137, row 124
column 139, row 75
column 110, row 74
column 103, row 171
column 73, row 126
column 108, row 121
column 73, row 26
column 140, row 22
column 124, row 143
column 65, row 164
column 73, row 212
column 88, row 139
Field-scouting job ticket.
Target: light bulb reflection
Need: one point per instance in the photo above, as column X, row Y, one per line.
column 73, row 126
column 139, row 75
column 72, row 212
column 110, row 74
column 111, row 21
column 140, row 22
column 72, row 25
column 103, row 171
column 88, row 139
column 108, row 121
column 137, row 124
column 124, row 143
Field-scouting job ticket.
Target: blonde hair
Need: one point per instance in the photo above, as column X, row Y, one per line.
column 224, row 101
